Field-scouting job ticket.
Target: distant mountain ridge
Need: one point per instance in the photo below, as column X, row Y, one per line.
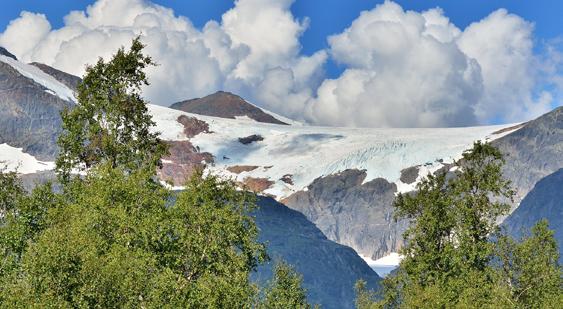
column 225, row 105
column 545, row 201
column 533, row 151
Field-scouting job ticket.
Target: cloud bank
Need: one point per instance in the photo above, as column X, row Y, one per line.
column 402, row 68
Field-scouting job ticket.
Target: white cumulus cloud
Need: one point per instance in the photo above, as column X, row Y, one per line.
column 401, row 68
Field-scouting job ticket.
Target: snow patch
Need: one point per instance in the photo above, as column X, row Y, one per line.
column 385, row 265
column 42, row 78
column 14, row 159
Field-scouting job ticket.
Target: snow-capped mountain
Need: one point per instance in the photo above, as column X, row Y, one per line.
column 30, row 103
column 342, row 179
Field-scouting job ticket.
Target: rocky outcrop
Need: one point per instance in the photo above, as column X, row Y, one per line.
column 257, row 185
column 225, row 105
column 545, row 201
column 193, row 126
column 66, row 79
column 237, row 169
column 409, row 174
column 351, row 212
column 5, row 52
column 250, row 139
column 533, row 152
column 29, row 114
column 329, row 270
column 181, row 162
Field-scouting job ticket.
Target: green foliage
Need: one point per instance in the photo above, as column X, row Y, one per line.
column 285, row 290
column 115, row 237
column 530, row 268
column 110, row 123
column 112, row 240
column 365, row 299
column 449, row 258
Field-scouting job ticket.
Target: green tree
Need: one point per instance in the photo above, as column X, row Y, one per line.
column 115, row 240
column 449, row 258
column 285, row 290
column 530, row 268
column 115, row 237
column 448, row 239
column 110, row 123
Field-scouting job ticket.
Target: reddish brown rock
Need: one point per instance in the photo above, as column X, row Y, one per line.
column 237, row 169
column 193, row 126
column 257, row 184
column 184, row 159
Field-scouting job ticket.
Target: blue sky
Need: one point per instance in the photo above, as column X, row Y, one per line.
column 326, row 17
column 401, row 64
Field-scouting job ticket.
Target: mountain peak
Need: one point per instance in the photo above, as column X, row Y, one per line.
column 6, row 53
column 225, row 105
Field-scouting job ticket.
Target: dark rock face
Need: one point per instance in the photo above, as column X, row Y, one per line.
column 329, row 270
column 6, row 53
column 533, row 152
column 66, row 79
column 351, row 213
column 409, row 174
column 225, row 105
column 545, row 201
column 250, row 139
column 29, row 116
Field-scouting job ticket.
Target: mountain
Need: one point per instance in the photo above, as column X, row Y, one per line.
column 533, row 152
column 5, row 52
column 351, row 211
column 545, row 201
column 342, row 179
column 225, row 105
column 66, row 79
column 31, row 101
column 329, row 270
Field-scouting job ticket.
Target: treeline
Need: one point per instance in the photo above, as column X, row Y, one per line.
column 111, row 235
column 455, row 254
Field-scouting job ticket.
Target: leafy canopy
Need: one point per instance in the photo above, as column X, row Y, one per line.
column 110, row 123
column 114, row 237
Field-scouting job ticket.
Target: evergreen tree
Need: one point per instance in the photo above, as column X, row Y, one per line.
column 285, row 291
column 110, row 123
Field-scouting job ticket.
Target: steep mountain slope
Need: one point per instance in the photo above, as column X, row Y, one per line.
column 225, row 105
column 30, row 101
column 534, row 151
column 545, row 200
column 68, row 80
column 353, row 212
column 329, row 270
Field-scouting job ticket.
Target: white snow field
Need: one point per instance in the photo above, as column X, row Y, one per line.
column 385, row 265
column 53, row 86
column 14, row 159
column 308, row 152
